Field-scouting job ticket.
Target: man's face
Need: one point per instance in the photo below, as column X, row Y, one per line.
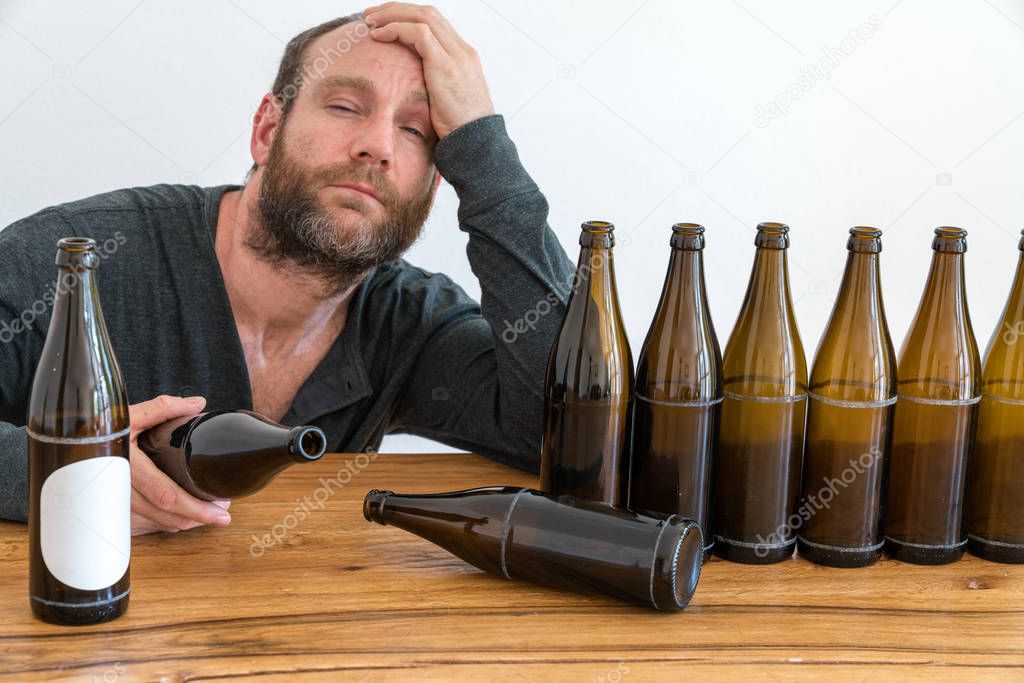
column 349, row 181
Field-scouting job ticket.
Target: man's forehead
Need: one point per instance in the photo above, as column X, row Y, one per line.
column 350, row 46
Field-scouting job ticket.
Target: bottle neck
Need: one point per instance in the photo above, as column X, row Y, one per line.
column 684, row 289
column 945, row 296
column 75, row 307
column 939, row 358
column 1004, row 364
column 1013, row 314
column 595, row 275
column 769, row 280
column 860, row 294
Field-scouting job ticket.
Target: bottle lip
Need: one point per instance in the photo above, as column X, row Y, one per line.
column 597, row 226
column 772, row 235
column 599, row 234
column 950, row 239
column 310, row 442
column 690, row 229
column 77, row 252
column 687, row 236
column 865, row 239
column 773, row 228
column 373, row 505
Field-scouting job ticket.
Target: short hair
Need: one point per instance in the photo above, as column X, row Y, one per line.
column 291, row 72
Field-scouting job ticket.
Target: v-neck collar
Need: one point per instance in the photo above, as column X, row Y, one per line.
column 339, row 380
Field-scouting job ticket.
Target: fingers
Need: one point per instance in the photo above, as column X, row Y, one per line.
column 388, row 12
column 417, row 36
column 164, row 496
column 162, row 408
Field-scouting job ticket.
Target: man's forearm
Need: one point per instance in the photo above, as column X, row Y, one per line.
column 524, row 273
column 13, row 472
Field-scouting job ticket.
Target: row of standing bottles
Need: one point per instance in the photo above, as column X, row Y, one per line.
column 920, row 457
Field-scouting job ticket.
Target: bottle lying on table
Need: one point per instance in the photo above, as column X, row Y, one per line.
column 558, row 541
column 228, row 454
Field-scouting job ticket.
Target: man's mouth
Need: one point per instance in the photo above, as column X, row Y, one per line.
column 359, row 188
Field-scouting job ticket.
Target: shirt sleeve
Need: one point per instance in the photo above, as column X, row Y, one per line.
column 478, row 382
column 27, row 290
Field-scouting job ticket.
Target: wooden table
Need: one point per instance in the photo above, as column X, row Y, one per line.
column 335, row 597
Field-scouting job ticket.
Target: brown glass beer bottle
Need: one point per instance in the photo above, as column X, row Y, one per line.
column 678, row 393
column 228, row 454
column 938, row 392
column 761, row 439
column 849, row 418
column 79, row 474
column 995, row 493
column 558, row 541
column 589, row 383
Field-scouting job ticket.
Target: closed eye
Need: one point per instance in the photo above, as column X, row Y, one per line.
column 339, row 107
column 415, row 132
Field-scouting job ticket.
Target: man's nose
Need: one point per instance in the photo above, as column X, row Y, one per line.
column 374, row 143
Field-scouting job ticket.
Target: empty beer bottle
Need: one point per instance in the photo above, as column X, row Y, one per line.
column 849, row 418
column 584, row 449
column 761, row 439
column 229, row 454
column 938, row 392
column 558, row 541
column 79, row 476
column 678, row 392
column 995, row 493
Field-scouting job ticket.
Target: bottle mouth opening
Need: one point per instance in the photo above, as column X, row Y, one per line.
column 373, row 505
column 77, row 244
column 950, row 232
column 311, row 443
column 773, row 228
column 866, row 232
column 597, row 226
column 688, row 229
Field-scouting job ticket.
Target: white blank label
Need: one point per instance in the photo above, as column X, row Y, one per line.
column 85, row 522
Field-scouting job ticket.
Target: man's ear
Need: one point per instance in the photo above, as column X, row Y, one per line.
column 265, row 123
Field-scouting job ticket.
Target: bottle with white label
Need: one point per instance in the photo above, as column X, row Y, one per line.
column 79, row 475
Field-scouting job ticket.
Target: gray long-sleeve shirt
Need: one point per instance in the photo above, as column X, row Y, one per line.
column 417, row 354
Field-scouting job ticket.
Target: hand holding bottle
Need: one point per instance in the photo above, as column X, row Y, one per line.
column 158, row 503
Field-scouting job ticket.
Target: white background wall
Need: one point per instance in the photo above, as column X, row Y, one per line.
column 639, row 112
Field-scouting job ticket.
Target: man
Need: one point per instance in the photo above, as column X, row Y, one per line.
column 287, row 295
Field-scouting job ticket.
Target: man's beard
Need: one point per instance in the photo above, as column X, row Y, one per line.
column 293, row 228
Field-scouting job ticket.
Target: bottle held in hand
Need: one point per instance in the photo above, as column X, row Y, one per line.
column 228, row 454
column 79, row 474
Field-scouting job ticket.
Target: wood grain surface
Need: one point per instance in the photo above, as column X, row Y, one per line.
column 334, row 597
